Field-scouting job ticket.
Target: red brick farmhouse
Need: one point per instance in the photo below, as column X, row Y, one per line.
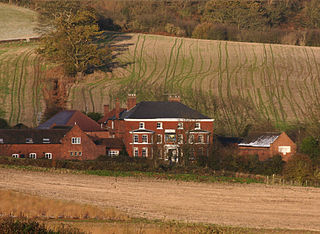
column 268, row 145
column 67, row 143
column 166, row 128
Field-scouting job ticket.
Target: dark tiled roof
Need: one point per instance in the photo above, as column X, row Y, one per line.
column 111, row 115
column 263, row 140
column 142, row 131
column 114, row 143
column 154, row 110
column 70, row 118
column 19, row 136
column 227, row 141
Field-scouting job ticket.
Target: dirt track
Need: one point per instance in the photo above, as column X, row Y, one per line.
column 251, row 205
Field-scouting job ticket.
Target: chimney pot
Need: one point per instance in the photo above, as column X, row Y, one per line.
column 174, row 98
column 117, row 108
column 131, row 101
column 106, row 110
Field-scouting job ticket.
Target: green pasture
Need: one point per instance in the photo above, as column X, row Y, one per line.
column 224, row 80
column 21, row 78
column 276, row 82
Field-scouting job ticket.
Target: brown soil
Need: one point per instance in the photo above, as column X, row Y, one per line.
column 253, row 205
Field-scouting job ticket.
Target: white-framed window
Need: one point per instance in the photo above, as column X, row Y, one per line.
column 159, row 138
column 71, row 153
column 180, row 125
column 80, row 153
column 144, row 138
column 141, row 125
column 191, row 139
column 29, row 140
column 180, row 138
column 113, row 153
column 200, row 139
column 135, row 152
column 75, row 153
column 208, row 139
column 284, row 149
column 33, row 155
column 135, row 139
column 159, row 125
column 48, row 155
column 197, row 126
column 76, row 140
column 144, row 152
column 112, row 124
column 45, row 140
column 15, row 155
column 1, row 140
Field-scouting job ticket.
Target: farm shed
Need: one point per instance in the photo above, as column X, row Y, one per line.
column 268, row 145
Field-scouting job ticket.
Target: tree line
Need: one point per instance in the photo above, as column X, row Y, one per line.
column 268, row 21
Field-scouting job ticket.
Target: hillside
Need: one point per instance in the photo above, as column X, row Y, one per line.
column 16, row 22
column 276, row 82
column 229, row 81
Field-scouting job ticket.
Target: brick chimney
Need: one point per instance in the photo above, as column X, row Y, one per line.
column 117, row 108
column 174, row 98
column 131, row 101
column 106, row 110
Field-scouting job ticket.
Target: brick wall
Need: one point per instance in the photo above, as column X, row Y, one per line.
column 283, row 140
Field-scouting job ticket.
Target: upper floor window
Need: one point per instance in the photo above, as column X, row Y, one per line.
column 46, row 140
column 33, row 155
column 144, row 138
column 141, row 125
column 29, row 140
column 48, row 155
column 180, row 125
column 76, row 140
column 200, row 139
column 159, row 125
column 208, row 139
column 1, row 140
column 135, row 138
column 197, row 126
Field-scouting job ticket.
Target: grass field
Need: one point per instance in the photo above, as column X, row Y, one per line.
column 276, row 82
column 21, row 74
column 228, row 81
column 16, row 22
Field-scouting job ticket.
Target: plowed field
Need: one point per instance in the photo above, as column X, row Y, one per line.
column 253, row 205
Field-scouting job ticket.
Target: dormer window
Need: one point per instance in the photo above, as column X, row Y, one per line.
column 76, row 140
column 197, row 126
column 29, row 140
column 46, row 140
column 141, row 125
column 159, row 125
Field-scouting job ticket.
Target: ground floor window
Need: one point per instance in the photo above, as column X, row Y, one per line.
column 15, row 155
column 33, row 155
column 113, row 153
column 135, row 152
column 48, row 155
column 144, row 152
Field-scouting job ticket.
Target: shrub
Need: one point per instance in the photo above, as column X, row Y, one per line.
column 310, row 146
column 210, row 31
column 299, row 167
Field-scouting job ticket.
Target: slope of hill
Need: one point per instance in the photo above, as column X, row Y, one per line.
column 16, row 22
column 20, row 83
column 276, row 82
column 229, row 81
